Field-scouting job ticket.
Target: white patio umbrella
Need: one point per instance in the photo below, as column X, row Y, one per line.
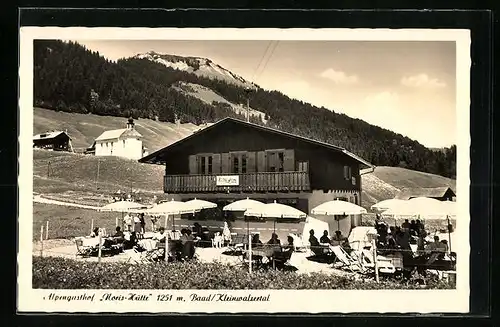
column 243, row 205
column 428, row 207
column 420, row 206
column 276, row 211
column 197, row 205
column 122, row 206
column 338, row 207
column 386, row 204
column 169, row 208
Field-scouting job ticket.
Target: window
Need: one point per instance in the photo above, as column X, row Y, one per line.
column 281, row 161
column 205, row 164
column 276, row 161
column 123, row 143
column 243, row 164
column 239, row 162
column 347, row 173
column 202, row 164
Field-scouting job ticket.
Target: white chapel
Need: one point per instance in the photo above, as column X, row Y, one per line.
column 125, row 142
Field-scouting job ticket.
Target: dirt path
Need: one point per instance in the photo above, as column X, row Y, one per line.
column 39, row 199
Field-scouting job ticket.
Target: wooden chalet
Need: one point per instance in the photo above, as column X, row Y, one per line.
column 444, row 193
column 53, row 140
column 234, row 159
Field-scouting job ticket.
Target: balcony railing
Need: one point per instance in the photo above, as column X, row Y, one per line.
column 294, row 181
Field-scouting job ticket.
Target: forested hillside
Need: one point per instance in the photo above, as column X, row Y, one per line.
column 70, row 78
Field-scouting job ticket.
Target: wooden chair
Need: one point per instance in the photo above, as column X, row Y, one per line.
column 345, row 261
column 238, row 243
column 281, row 258
column 84, row 250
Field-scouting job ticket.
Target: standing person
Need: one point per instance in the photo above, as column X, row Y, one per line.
column 137, row 226
column 154, row 219
column 143, row 223
column 128, row 222
column 405, row 225
column 226, row 234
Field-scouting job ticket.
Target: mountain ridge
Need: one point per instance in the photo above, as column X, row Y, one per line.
column 68, row 77
column 200, row 66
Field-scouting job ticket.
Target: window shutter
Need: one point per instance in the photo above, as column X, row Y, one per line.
column 251, row 162
column 225, row 165
column 261, row 161
column 289, row 160
column 193, row 165
column 216, row 163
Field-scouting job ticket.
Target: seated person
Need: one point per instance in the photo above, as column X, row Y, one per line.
column 95, row 232
column 315, row 246
column 197, row 229
column 286, row 251
column 160, row 236
column 434, row 249
column 119, row 232
column 117, row 238
column 289, row 246
column 443, row 247
column 325, row 238
column 433, row 246
column 256, row 242
column 274, row 240
column 341, row 240
column 338, row 238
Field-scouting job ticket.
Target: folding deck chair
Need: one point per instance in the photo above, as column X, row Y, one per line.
column 151, row 251
column 384, row 264
column 345, row 261
column 238, row 243
column 84, row 250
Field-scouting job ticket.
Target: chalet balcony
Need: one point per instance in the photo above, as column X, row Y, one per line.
column 293, row 181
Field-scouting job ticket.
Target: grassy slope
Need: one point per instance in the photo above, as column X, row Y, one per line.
column 67, row 222
column 83, row 129
column 78, row 172
column 385, row 183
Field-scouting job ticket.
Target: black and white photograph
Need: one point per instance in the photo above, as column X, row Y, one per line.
column 225, row 170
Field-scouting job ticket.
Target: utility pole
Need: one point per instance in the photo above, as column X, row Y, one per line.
column 48, row 169
column 97, row 177
column 248, row 91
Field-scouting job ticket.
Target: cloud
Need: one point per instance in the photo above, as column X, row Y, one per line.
column 384, row 97
column 339, row 77
column 422, row 80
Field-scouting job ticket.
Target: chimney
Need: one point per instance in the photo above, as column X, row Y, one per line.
column 130, row 123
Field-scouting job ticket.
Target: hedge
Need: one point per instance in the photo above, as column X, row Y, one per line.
column 60, row 273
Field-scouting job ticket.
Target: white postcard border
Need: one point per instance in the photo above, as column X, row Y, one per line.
column 307, row 301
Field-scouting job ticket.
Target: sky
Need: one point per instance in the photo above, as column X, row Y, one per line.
column 408, row 87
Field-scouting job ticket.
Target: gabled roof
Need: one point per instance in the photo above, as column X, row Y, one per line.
column 48, row 135
column 118, row 133
column 151, row 157
column 429, row 192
